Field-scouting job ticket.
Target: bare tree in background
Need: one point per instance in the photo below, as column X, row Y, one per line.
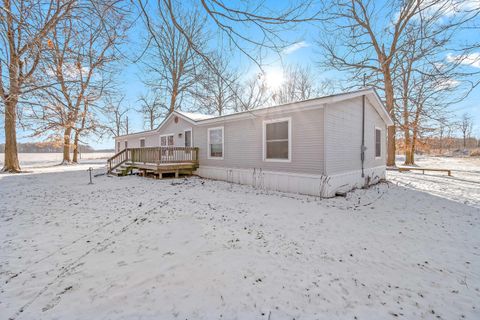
column 300, row 84
column 465, row 125
column 152, row 110
column 365, row 39
column 217, row 91
column 24, row 26
column 425, row 83
column 248, row 27
column 117, row 114
column 443, row 125
column 81, row 51
column 173, row 65
column 252, row 94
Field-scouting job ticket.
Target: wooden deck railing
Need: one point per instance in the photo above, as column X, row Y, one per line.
column 154, row 155
column 117, row 160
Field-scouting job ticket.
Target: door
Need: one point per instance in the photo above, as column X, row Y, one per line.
column 188, row 143
column 166, row 141
column 188, row 138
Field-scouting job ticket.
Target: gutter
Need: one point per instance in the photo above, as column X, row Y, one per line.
column 363, row 147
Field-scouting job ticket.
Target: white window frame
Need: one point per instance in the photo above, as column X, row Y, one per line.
column 375, row 143
column 166, row 136
column 191, row 136
column 265, row 122
column 144, row 142
column 223, row 143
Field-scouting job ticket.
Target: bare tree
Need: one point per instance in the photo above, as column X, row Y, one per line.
column 117, row 116
column 172, row 64
column 465, row 126
column 152, row 109
column 245, row 26
column 300, row 84
column 252, row 94
column 426, row 84
column 218, row 90
column 24, row 26
column 81, row 51
column 364, row 39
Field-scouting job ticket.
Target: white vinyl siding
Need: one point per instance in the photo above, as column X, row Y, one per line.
column 277, row 140
column 215, row 143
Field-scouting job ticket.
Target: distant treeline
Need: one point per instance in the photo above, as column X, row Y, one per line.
column 53, row 147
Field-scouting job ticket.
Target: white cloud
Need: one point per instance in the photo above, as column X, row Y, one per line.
column 448, row 84
column 450, row 8
column 472, row 59
column 294, row 47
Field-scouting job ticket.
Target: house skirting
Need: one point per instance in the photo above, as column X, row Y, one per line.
column 315, row 185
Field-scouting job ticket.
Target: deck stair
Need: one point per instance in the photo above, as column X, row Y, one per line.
column 155, row 161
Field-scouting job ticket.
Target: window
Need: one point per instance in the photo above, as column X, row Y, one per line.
column 188, row 138
column 166, row 141
column 142, row 143
column 277, row 140
column 378, row 143
column 215, row 143
column 126, row 144
column 118, row 146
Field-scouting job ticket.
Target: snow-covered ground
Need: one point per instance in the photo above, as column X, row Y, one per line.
column 463, row 186
column 35, row 160
column 133, row 247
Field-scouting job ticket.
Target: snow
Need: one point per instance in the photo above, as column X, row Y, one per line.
column 195, row 116
column 134, row 247
column 463, row 186
column 34, row 160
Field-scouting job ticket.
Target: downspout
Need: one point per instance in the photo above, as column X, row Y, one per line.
column 363, row 148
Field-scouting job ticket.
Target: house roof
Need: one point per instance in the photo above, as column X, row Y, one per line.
column 198, row 118
column 195, row 116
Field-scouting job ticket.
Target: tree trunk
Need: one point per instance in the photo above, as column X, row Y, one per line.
column 389, row 101
column 11, row 163
column 414, row 144
column 66, row 146
column 75, row 147
column 406, row 131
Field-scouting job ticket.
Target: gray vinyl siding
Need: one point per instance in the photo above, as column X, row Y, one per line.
column 343, row 135
column 243, row 143
column 175, row 128
column 152, row 138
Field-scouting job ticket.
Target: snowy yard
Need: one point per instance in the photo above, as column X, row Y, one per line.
column 133, row 247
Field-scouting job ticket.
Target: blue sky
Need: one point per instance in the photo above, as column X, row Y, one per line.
column 303, row 51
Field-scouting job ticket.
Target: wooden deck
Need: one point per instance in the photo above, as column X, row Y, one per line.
column 156, row 161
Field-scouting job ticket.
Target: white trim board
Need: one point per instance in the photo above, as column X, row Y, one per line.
column 223, row 143
column 264, row 139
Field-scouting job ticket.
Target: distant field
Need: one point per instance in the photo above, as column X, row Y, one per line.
column 30, row 160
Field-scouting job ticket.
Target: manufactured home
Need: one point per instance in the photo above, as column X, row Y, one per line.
column 317, row 147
